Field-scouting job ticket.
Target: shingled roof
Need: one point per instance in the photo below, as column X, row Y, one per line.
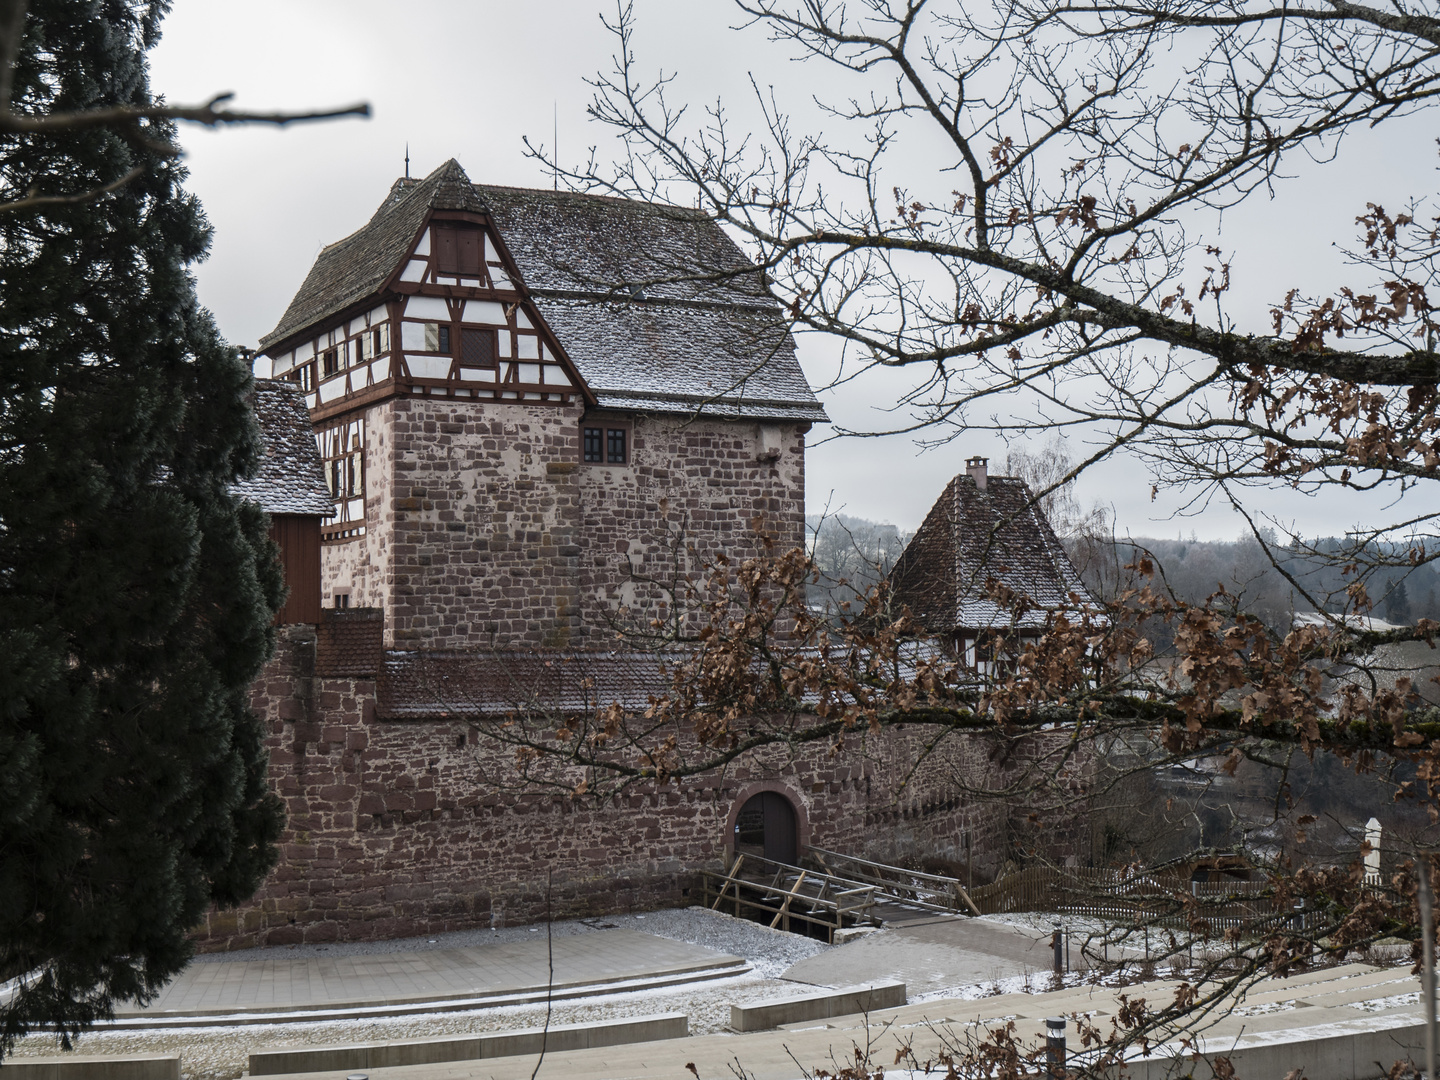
column 290, row 478
column 656, row 306
column 429, row 684
column 972, row 535
column 354, row 268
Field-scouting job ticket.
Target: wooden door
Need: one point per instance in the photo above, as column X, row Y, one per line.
column 766, row 826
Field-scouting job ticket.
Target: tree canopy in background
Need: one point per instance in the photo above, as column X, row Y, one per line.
column 136, row 594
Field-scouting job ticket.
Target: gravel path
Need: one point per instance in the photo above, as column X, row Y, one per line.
column 221, row 1053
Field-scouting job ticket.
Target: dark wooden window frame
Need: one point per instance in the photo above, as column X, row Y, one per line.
column 345, row 477
column 607, row 428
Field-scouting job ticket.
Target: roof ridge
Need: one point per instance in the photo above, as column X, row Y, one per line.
column 621, row 200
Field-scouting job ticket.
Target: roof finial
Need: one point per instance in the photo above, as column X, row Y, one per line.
column 407, row 159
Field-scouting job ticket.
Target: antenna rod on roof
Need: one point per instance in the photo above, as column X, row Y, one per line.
column 555, row 140
column 407, row 160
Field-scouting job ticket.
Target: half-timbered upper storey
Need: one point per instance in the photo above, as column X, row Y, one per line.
column 490, row 293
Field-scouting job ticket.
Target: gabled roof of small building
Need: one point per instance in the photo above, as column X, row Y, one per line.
column 972, row 536
column 656, row 306
column 290, row 478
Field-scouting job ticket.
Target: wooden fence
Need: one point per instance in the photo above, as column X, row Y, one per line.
column 1139, row 897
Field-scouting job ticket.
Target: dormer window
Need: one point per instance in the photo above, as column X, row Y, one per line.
column 458, row 250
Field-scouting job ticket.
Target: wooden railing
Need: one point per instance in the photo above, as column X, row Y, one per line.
column 930, row 891
column 756, row 887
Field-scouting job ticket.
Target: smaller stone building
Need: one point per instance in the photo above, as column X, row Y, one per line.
column 986, row 530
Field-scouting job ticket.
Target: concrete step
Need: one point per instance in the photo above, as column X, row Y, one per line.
column 381, row 1055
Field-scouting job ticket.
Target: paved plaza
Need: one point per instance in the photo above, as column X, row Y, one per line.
column 391, row 983
column 929, row 955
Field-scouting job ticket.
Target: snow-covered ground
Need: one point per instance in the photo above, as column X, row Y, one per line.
column 220, row 1053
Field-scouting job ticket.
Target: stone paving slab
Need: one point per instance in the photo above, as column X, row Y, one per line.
column 780, row 1055
column 930, row 955
column 507, row 970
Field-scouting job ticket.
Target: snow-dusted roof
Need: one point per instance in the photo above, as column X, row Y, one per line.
column 655, row 304
column 428, row 684
column 972, row 536
column 290, row 478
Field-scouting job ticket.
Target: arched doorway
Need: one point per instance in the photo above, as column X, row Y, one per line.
column 766, row 826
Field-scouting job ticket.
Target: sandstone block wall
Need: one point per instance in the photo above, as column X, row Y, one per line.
column 407, row 827
column 692, row 491
column 483, row 527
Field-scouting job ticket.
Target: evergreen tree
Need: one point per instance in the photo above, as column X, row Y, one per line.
column 136, row 594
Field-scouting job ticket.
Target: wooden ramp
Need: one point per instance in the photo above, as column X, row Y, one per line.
column 909, row 888
column 831, row 892
column 794, row 898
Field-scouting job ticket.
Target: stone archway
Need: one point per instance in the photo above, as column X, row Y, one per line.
column 768, row 825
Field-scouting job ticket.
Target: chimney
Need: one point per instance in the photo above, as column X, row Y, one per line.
column 975, row 466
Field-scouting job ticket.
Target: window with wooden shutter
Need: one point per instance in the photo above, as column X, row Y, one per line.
column 442, row 243
column 458, row 250
column 468, row 252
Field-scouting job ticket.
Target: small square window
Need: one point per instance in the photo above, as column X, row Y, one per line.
column 605, row 442
column 594, row 437
column 444, row 337
column 477, row 347
column 332, row 362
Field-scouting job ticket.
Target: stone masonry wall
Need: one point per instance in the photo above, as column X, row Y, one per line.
column 484, row 528
column 395, row 830
column 692, row 491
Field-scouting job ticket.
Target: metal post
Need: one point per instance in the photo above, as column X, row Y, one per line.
column 1427, row 973
column 1055, row 948
column 1055, row 1045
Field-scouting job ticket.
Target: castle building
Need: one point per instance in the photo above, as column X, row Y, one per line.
column 534, row 411
column 530, row 402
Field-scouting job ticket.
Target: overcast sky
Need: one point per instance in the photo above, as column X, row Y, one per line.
column 471, row 78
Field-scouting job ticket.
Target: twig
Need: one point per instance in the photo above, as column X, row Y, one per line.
column 207, row 114
column 550, row 983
